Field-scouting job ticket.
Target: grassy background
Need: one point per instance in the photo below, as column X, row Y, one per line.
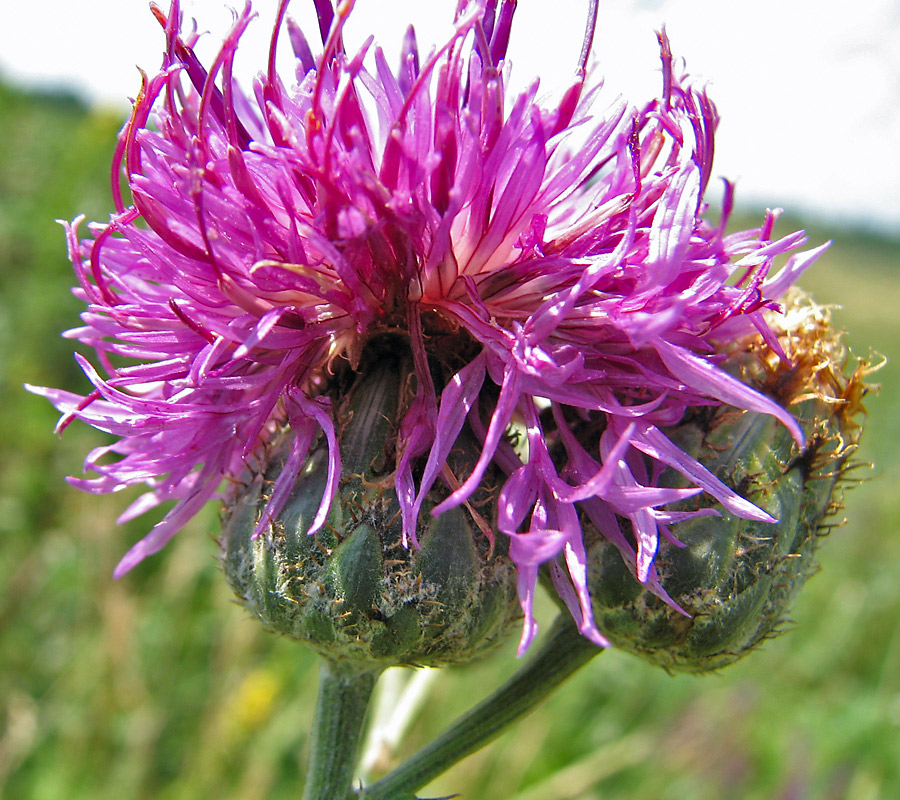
column 159, row 686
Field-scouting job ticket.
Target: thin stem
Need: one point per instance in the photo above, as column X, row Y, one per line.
column 402, row 693
column 563, row 652
column 344, row 692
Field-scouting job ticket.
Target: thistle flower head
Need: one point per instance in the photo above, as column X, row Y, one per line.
column 547, row 262
column 733, row 580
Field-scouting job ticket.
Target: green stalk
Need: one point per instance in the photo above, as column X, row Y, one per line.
column 563, row 652
column 345, row 689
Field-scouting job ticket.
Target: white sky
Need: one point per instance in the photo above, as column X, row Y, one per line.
column 808, row 90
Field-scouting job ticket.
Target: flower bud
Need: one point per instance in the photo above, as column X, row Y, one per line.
column 737, row 578
column 353, row 589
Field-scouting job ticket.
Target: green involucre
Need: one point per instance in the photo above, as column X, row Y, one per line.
column 352, row 590
column 737, row 578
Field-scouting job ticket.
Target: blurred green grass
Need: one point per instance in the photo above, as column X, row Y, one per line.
column 159, row 686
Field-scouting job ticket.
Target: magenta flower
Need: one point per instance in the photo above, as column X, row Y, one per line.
column 558, row 247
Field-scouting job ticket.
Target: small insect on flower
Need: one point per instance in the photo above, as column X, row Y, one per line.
column 527, row 263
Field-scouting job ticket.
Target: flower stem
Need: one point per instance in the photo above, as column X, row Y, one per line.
column 344, row 692
column 563, row 652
